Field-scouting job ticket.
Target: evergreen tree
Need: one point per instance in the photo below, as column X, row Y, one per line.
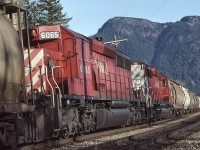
column 31, row 12
column 46, row 12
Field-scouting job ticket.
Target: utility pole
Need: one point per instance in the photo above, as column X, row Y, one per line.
column 115, row 42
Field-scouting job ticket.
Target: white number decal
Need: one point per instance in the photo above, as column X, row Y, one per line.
column 87, row 69
column 103, row 67
column 49, row 35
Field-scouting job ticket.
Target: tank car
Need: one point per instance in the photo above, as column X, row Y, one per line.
column 13, row 104
column 11, row 62
column 10, row 79
column 199, row 102
column 194, row 102
column 185, row 101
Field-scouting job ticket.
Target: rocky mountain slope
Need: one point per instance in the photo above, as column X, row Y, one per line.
column 173, row 48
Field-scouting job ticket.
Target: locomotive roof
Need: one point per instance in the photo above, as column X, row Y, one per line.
column 56, row 28
column 139, row 63
column 75, row 34
column 97, row 46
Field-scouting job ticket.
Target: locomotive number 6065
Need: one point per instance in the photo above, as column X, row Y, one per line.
column 49, row 35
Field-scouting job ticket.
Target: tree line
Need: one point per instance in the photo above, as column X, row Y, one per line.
column 46, row 12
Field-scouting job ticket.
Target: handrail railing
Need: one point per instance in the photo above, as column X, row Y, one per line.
column 53, row 101
column 59, row 91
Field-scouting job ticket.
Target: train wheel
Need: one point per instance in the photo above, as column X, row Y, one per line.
column 64, row 133
column 12, row 139
column 81, row 130
column 133, row 121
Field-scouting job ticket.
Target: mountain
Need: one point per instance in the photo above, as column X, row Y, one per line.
column 141, row 34
column 172, row 48
column 178, row 52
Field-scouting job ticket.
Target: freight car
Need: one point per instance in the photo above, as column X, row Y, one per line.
column 63, row 84
column 184, row 100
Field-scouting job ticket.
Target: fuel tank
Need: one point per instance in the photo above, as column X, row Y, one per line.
column 119, row 104
column 11, row 65
column 111, row 118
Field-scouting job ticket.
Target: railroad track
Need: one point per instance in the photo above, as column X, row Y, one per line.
column 132, row 138
column 116, row 138
column 47, row 145
column 158, row 141
column 189, row 142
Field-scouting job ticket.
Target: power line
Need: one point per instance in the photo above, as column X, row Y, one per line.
column 128, row 7
column 159, row 8
column 126, row 10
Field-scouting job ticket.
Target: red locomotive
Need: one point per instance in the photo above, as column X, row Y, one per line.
column 153, row 88
column 78, row 58
column 84, row 77
column 69, row 84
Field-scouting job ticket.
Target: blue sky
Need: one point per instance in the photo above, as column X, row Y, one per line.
column 90, row 15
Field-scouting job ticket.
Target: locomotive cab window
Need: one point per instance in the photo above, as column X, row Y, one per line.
column 142, row 67
column 127, row 64
column 119, row 61
column 148, row 72
column 164, row 83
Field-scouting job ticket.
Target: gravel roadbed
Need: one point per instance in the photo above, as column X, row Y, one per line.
column 191, row 142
